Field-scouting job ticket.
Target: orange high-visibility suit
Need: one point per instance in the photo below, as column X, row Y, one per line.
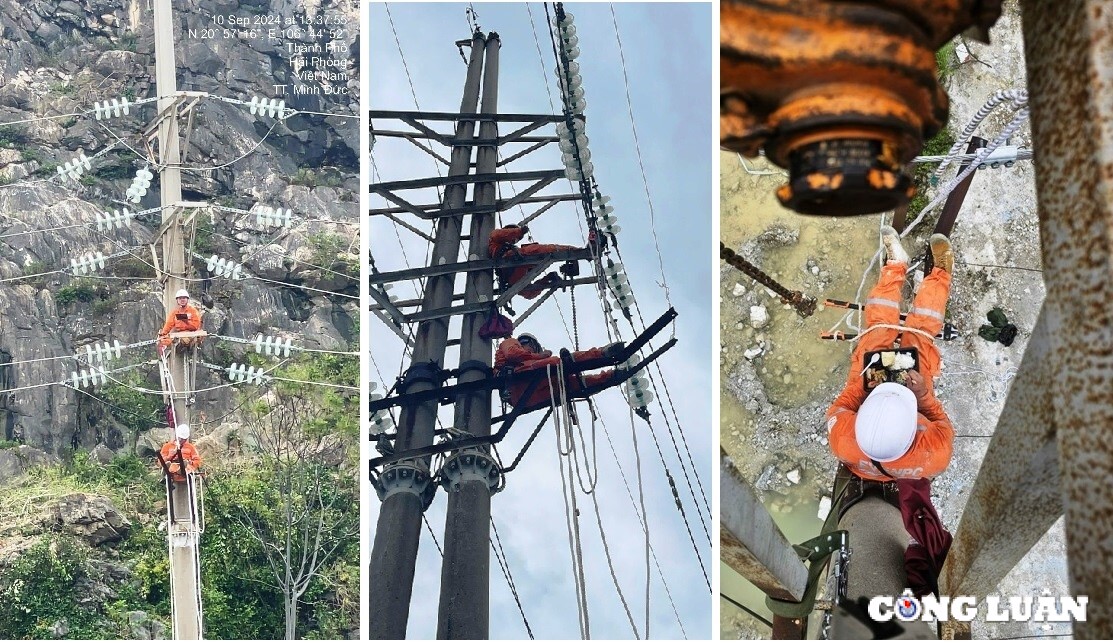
column 173, row 324
column 511, row 353
column 931, row 449
column 501, row 245
column 192, row 459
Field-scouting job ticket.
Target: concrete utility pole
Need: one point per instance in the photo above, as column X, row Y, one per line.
column 394, row 554
column 185, row 570
column 465, row 572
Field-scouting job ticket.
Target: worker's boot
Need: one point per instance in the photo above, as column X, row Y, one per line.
column 941, row 253
column 894, row 251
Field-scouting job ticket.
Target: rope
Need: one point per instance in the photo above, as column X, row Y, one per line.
column 571, row 511
column 610, row 565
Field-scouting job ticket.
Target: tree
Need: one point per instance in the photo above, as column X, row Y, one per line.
column 307, row 515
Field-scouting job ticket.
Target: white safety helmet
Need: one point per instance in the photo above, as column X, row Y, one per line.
column 182, row 432
column 886, row 423
column 528, row 337
column 181, row 293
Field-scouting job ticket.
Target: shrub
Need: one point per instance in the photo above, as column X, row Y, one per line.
column 79, row 291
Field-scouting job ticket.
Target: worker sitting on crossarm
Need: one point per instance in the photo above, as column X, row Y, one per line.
column 525, row 354
column 188, row 454
column 182, row 318
column 894, row 430
column 502, row 244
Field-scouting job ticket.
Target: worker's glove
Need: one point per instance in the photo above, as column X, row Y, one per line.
column 614, row 351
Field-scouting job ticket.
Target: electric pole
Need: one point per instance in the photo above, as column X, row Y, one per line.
column 394, row 554
column 185, row 571
column 469, row 474
column 465, row 572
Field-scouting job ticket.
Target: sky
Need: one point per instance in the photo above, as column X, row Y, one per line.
column 668, row 56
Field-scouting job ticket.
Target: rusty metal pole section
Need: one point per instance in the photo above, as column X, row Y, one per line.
column 804, row 305
column 1070, row 85
column 1015, row 498
column 841, row 94
column 751, row 544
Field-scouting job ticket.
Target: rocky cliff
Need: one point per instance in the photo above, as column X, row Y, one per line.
column 58, row 60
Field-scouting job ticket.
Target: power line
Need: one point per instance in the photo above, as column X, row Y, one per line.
column 641, row 164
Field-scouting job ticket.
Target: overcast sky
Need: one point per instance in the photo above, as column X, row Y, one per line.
column 668, row 60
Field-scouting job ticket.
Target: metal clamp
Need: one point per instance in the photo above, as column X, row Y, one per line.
column 470, row 465
column 405, row 477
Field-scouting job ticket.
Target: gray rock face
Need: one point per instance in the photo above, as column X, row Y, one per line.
column 92, row 518
column 142, row 627
column 63, row 57
column 19, row 460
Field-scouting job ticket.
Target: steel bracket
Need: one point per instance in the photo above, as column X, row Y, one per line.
column 406, row 477
column 470, row 465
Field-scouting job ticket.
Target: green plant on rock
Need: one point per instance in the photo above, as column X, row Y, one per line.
column 131, row 408
column 327, row 247
column 39, row 593
column 80, row 291
column 12, row 136
column 128, row 41
column 939, row 145
column 946, row 60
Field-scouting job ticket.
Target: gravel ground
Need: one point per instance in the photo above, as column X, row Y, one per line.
column 778, row 378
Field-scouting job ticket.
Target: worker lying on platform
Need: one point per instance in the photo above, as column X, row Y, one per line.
column 188, row 454
column 894, row 430
column 526, row 354
column 502, row 244
column 182, row 318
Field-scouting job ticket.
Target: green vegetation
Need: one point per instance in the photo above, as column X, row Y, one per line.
column 29, row 154
column 203, row 238
column 102, row 307
column 9, row 444
column 131, row 267
column 38, row 597
column 12, row 137
column 946, row 60
column 128, row 41
column 83, row 291
column 316, row 178
column 939, row 145
column 133, row 409
column 63, row 89
column 46, row 169
column 298, row 469
column 327, row 248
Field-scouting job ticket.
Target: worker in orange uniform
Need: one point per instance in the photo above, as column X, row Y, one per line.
column 897, row 431
column 178, row 451
column 502, row 244
column 183, row 318
column 526, row 354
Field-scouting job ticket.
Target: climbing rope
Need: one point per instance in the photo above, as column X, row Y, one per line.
column 571, row 510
